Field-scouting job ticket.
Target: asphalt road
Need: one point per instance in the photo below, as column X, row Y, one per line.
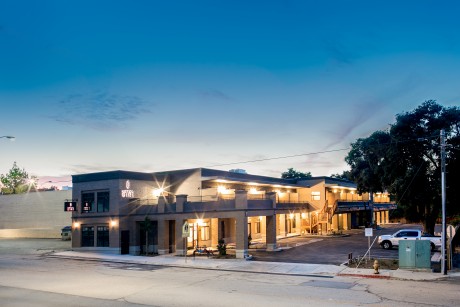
column 29, row 278
column 330, row 250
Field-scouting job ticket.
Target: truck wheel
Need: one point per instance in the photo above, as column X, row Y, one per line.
column 386, row 245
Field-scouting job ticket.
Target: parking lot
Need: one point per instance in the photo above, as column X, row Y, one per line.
column 331, row 250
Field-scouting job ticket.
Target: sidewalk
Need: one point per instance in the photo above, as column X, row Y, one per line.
column 240, row 265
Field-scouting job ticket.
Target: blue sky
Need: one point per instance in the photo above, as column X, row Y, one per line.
column 88, row 86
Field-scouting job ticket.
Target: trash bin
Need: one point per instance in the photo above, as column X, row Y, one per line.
column 66, row 233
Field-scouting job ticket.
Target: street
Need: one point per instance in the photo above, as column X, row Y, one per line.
column 29, row 278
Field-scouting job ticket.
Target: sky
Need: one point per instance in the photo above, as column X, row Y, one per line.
column 89, row 86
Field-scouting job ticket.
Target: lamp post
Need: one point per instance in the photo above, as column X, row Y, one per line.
column 443, row 203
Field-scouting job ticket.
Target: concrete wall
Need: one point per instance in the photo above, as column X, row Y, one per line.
column 34, row 215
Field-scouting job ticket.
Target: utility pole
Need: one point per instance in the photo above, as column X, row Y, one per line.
column 443, row 193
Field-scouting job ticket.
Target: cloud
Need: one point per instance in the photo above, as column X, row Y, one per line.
column 215, row 95
column 100, row 110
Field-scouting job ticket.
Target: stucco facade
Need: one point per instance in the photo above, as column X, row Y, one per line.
column 112, row 208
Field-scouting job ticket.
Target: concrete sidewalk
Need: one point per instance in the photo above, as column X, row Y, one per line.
column 240, row 265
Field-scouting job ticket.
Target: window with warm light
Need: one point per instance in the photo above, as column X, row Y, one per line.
column 315, row 195
column 204, row 232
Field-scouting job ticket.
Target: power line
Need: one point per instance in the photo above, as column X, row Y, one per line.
column 282, row 157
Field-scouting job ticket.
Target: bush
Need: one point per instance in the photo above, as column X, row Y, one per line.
column 222, row 247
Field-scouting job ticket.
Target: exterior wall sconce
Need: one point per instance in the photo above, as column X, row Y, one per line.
column 113, row 223
column 76, row 224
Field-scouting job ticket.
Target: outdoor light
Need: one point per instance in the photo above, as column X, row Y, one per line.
column 253, row 190
column 158, row 192
column 76, row 225
column 304, row 215
column 291, row 216
column 221, row 189
column 113, row 223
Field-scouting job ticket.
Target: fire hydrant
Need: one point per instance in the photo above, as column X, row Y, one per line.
column 376, row 267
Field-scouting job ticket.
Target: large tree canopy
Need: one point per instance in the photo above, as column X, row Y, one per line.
column 405, row 161
column 15, row 181
column 293, row 174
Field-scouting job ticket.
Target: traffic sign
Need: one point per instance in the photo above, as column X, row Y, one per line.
column 185, row 230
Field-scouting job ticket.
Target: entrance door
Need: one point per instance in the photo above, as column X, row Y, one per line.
column 124, row 242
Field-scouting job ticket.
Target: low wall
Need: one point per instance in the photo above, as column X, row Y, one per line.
column 34, row 215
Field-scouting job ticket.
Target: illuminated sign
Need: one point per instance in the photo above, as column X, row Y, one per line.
column 128, row 193
column 86, row 207
column 70, row 206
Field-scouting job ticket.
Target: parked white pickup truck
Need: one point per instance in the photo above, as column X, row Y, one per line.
column 388, row 241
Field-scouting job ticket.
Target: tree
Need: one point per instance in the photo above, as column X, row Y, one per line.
column 147, row 227
column 15, row 181
column 344, row 176
column 293, row 174
column 405, row 161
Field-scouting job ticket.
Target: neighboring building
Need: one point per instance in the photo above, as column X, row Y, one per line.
column 112, row 207
column 34, row 214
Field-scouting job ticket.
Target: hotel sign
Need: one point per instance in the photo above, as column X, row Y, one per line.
column 70, row 206
column 86, row 207
column 128, row 193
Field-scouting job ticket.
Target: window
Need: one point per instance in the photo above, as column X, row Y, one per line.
column 95, row 202
column 315, row 196
column 412, row 234
column 257, row 229
column 103, row 202
column 102, row 236
column 204, row 234
column 88, row 199
column 87, row 236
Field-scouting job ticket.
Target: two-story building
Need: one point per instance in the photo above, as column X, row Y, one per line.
column 114, row 208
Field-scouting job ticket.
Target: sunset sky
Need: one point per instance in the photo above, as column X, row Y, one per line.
column 87, row 86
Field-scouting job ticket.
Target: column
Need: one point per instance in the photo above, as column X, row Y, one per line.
column 272, row 197
column 378, row 217
column 181, row 248
column 163, row 237
column 345, row 221
column 214, row 232
column 180, row 201
column 161, row 204
column 387, row 217
column 271, row 233
column 335, row 222
column 241, row 235
column 241, row 199
column 298, row 223
column 282, row 221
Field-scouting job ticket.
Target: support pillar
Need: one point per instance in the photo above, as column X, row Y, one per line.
column 298, row 223
column 335, row 222
column 181, row 247
column 214, row 232
column 282, row 220
column 271, row 233
column 241, row 235
column 163, row 237
column 346, row 220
